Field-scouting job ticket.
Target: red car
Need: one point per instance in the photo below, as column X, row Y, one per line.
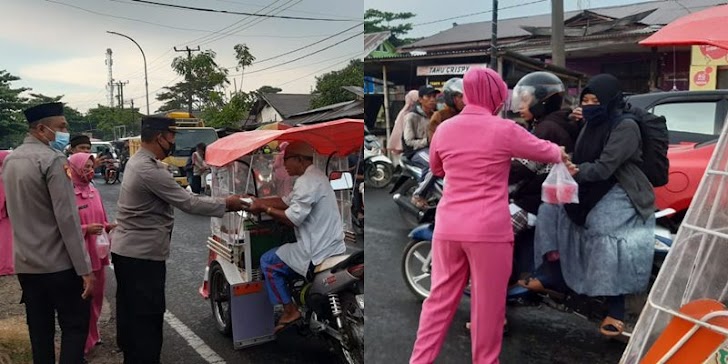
column 695, row 120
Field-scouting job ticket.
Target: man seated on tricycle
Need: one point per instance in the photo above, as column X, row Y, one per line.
column 311, row 209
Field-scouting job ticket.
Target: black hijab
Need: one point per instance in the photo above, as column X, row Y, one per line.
column 598, row 125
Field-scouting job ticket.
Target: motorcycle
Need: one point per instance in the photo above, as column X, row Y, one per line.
column 405, row 187
column 378, row 168
column 417, row 259
column 111, row 172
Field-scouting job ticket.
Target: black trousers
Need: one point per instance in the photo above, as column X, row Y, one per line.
column 46, row 294
column 196, row 184
column 140, row 307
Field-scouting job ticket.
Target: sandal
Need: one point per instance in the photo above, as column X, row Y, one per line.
column 611, row 327
column 532, row 284
column 281, row 326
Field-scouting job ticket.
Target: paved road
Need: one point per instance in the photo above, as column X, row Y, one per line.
column 184, row 275
column 537, row 335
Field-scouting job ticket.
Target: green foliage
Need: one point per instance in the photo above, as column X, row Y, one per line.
column 203, row 77
column 268, row 90
column 106, row 119
column 12, row 121
column 328, row 86
column 221, row 113
column 380, row 21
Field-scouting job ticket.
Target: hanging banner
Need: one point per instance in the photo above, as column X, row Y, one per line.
column 704, row 62
column 447, row 69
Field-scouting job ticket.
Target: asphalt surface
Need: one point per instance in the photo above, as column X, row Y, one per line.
column 185, row 269
column 537, row 334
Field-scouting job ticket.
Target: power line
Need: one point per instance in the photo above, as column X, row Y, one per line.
column 306, row 55
column 231, row 26
column 478, row 13
column 313, row 73
column 310, row 45
column 241, row 13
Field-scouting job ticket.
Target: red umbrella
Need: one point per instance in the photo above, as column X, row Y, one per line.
column 706, row 27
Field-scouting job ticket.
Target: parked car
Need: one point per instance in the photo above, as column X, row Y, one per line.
column 695, row 120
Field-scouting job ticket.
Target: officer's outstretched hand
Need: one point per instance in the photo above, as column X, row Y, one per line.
column 88, row 285
column 233, row 203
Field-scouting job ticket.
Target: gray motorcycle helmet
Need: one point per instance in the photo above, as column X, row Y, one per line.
column 450, row 89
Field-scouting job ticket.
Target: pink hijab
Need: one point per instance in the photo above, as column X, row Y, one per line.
column 3, row 210
column 484, row 91
column 395, row 139
column 77, row 163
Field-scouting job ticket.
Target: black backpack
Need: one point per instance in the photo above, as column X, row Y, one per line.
column 655, row 142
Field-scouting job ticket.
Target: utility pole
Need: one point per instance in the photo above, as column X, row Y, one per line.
column 494, row 38
column 558, row 56
column 120, row 85
column 189, row 74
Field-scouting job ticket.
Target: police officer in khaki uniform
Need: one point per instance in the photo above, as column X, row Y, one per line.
column 51, row 260
column 140, row 247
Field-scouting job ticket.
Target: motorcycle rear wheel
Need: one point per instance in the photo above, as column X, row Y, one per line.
column 353, row 331
column 378, row 174
column 417, row 266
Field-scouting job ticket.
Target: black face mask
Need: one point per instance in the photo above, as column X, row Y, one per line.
column 167, row 152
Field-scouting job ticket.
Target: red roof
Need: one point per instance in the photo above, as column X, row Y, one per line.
column 339, row 137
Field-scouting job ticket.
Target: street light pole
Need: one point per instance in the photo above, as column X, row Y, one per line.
column 146, row 80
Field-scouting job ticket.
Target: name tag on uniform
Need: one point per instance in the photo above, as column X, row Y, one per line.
column 82, row 207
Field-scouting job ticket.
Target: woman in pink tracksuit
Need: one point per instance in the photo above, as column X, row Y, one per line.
column 473, row 235
column 93, row 222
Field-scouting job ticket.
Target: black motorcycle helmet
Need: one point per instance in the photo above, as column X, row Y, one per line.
column 543, row 92
column 450, row 89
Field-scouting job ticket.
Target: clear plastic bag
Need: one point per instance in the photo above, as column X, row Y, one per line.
column 103, row 245
column 559, row 187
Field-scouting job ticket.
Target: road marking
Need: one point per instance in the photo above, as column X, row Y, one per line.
column 192, row 339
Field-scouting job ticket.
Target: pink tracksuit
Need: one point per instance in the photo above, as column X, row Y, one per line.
column 473, row 232
column 90, row 210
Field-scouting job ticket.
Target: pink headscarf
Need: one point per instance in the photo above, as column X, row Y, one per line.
column 3, row 210
column 77, row 163
column 484, row 90
column 395, row 139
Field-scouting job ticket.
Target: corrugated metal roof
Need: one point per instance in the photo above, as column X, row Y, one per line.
column 348, row 109
column 666, row 11
column 288, row 104
column 373, row 40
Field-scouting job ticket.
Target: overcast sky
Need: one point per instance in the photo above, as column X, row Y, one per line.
column 58, row 48
column 439, row 10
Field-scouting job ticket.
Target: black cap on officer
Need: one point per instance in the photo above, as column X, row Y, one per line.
column 159, row 123
column 80, row 139
column 42, row 111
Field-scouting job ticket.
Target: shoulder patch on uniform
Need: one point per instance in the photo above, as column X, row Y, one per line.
column 67, row 169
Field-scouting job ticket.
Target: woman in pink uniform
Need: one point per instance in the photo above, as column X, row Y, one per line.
column 93, row 223
column 7, row 266
column 473, row 235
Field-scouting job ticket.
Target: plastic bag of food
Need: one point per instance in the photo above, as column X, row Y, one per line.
column 560, row 188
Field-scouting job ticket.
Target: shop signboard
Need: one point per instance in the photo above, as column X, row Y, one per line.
column 447, row 69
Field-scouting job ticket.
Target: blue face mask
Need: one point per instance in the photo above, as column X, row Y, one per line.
column 61, row 140
column 594, row 113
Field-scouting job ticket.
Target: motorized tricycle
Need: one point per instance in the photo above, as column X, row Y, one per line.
column 331, row 298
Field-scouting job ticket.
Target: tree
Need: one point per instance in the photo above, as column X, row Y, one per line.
column 202, row 74
column 12, row 123
column 328, row 86
column 220, row 114
column 374, row 19
column 268, row 90
column 244, row 59
column 107, row 118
